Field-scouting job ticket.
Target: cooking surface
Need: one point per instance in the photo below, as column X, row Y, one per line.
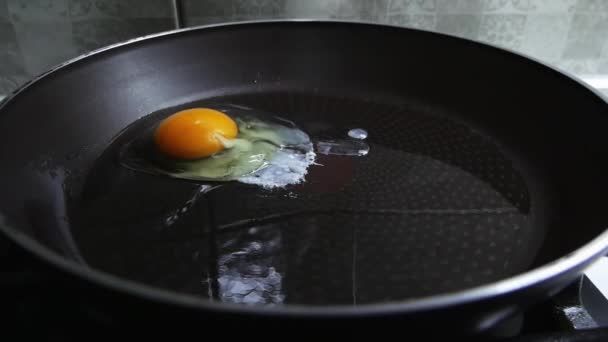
column 432, row 207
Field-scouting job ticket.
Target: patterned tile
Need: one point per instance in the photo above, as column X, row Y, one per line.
column 508, row 6
column 418, row 21
column 12, row 72
column 604, row 53
column 587, row 35
column 135, row 8
column 552, row 6
column 11, row 60
column 259, row 8
column 505, row 30
column 462, row 25
column 209, row 8
column 3, row 10
column 201, row 21
column 214, row 11
column 81, row 9
column 27, row 10
column 356, row 10
column 315, row 9
column 44, row 44
column 460, row 6
column 95, row 33
column 591, row 6
column 411, row 6
column 10, row 82
column 275, row 8
column 366, row 10
column 603, row 66
column 579, row 67
column 545, row 35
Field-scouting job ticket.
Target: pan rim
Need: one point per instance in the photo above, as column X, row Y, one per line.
column 579, row 258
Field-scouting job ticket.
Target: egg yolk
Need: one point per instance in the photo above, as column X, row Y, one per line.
column 194, row 133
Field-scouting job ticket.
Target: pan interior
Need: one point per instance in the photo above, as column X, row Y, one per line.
column 435, row 206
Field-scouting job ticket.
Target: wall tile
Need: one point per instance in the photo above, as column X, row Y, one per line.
column 95, row 33
column 27, row 10
column 425, row 5
column 11, row 60
column 411, row 6
column 82, row 9
column 213, row 11
column 508, row 6
column 95, row 9
column 12, row 72
column 209, row 8
column 259, row 8
column 460, row 6
column 274, row 9
column 356, row 10
column 38, row 34
column 545, row 35
column 200, row 21
column 603, row 61
column 3, row 10
column 603, row 66
column 44, row 44
column 365, row 10
column 505, row 30
column 10, row 82
column 552, row 6
column 314, row 9
column 579, row 67
column 587, row 35
column 135, row 8
column 463, row 25
column 41, row 33
column 591, row 6
column 418, row 21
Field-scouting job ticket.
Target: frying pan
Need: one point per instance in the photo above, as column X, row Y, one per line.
column 483, row 191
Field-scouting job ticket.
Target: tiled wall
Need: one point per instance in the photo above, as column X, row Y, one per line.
column 36, row 34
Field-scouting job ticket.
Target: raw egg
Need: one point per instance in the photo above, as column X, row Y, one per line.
column 224, row 143
column 194, row 133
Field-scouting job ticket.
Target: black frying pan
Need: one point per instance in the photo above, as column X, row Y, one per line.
column 483, row 191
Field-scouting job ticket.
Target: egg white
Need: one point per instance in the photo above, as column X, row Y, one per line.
column 264, row 153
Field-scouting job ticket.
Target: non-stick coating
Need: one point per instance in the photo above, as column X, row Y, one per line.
column 547, row 124
column 433, row 207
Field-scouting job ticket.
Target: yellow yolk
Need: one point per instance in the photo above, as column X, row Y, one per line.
column 194, row 133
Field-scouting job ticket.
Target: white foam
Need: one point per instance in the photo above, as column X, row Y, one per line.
column 287, row 167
